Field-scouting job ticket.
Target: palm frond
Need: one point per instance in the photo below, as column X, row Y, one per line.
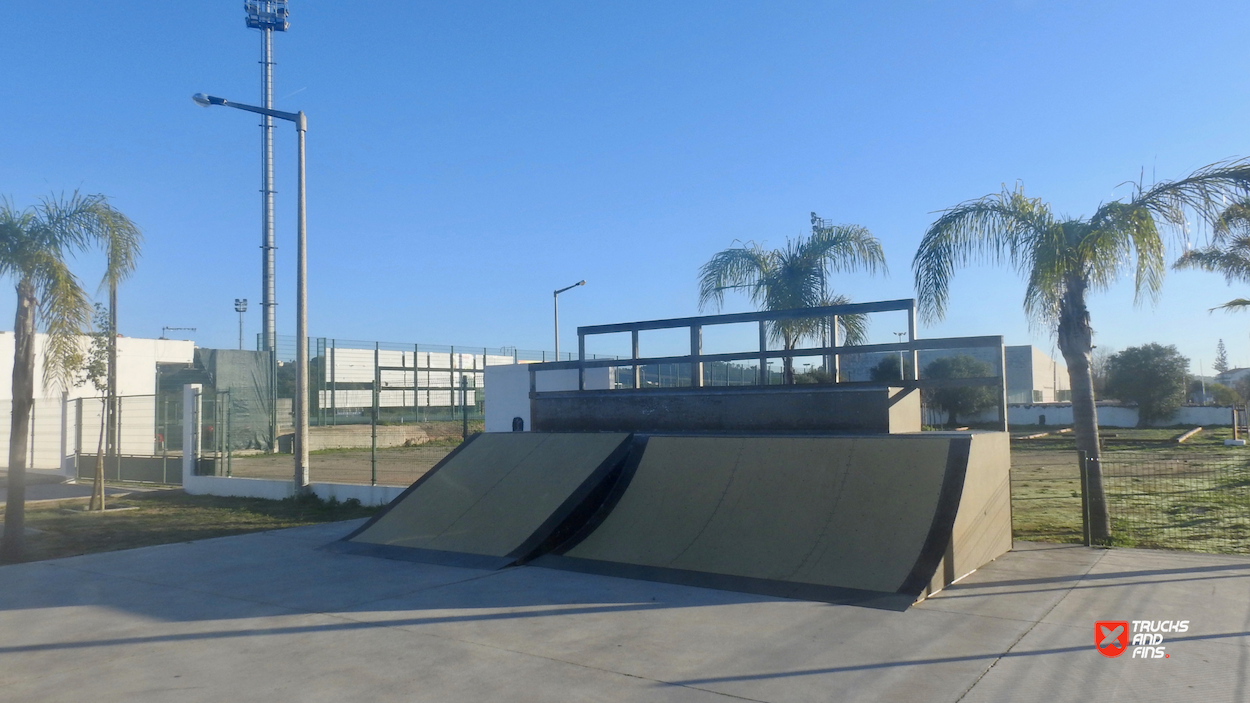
column 1232, row 305
column 1234, row 219
column 1206, row 192
column 733, row 268
column 1124, row 230
column 1231, row 260
column 65, row 312
column 995, row 229
column 844, row 248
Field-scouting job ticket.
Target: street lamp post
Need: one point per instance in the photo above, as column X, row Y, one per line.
column 555, row 297
column 301, row 285
column 240, row 306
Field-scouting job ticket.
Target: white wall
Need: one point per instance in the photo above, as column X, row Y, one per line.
column 136, row 375
column 509, row 390
column 136, row 365
column 1109, row 415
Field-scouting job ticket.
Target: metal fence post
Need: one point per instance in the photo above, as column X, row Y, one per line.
column 77, row 436
column 464, row 406
column 1083, row 462
column 334, row 408
column 373, row 423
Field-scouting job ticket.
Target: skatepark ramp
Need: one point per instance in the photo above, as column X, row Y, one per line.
column 871, row 520
column 877, row 521
column 493, row 501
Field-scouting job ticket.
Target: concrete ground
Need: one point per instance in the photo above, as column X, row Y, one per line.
column 269, row 617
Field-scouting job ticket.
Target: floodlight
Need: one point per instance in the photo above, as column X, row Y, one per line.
column 267, row 14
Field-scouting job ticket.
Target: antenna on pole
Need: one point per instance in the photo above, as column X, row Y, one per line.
column 166, row 330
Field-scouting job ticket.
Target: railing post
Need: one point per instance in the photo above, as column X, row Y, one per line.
column 1002, row 388
column 836, row 367
column 763, row 353
column 637, row 381
column 696, row 353
column 911, row 339
column 581, row 361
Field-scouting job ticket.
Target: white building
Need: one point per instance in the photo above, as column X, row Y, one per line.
column 54, row 416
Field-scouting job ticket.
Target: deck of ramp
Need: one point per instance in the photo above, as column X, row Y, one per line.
column 871, row 520
column 494, row 501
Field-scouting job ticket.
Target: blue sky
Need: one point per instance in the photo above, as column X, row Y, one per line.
column 465, row 159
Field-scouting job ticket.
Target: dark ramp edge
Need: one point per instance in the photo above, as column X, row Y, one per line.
column 722, row 582
column 580, row 506
column 585, row 503
column 572, row 534
column 941, row 531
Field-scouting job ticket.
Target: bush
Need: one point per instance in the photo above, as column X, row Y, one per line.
column 966, row 400
column 1152, row 376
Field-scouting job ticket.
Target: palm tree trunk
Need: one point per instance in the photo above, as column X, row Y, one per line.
column 13, row 546
column 113, row 432
column 97, row 488
column 1076, row 340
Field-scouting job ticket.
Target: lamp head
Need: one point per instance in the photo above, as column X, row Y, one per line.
column 201, row 100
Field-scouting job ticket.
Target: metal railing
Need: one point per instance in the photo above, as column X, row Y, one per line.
column 697, row 358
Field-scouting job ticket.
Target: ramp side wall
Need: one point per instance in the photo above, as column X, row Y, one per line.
column 982, row 530
column 875, row 410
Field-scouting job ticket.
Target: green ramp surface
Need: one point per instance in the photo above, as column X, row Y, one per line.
column 493, row 501
column 841, row 519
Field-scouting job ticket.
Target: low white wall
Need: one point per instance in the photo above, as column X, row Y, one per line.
column 509, row 390
column 277, row 490
column 270, row 489
column 1109, row 415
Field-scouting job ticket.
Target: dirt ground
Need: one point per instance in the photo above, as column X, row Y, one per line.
column 397, row 466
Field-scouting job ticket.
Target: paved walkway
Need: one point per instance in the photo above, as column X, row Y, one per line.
column 43, row 485
column 268, row 617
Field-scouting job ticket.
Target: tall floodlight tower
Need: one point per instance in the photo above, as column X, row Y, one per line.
column 268, row 16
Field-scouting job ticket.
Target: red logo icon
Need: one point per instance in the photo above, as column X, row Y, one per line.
column 1111, row 637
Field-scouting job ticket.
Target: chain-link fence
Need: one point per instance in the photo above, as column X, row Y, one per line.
column 1175, row 502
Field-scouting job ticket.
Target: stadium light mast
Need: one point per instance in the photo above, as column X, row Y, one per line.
column 268, row 16
column 240, row 306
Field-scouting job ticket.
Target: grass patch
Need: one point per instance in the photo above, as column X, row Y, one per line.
column 1161, row 495
column 163, row 517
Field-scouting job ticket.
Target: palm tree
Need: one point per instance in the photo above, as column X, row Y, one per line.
column 1063, row 260
column 34, row 243
column 795, row 276
column 1228, row 253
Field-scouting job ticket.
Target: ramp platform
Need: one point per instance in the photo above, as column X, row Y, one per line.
column 880, row 521
column 496, row 500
